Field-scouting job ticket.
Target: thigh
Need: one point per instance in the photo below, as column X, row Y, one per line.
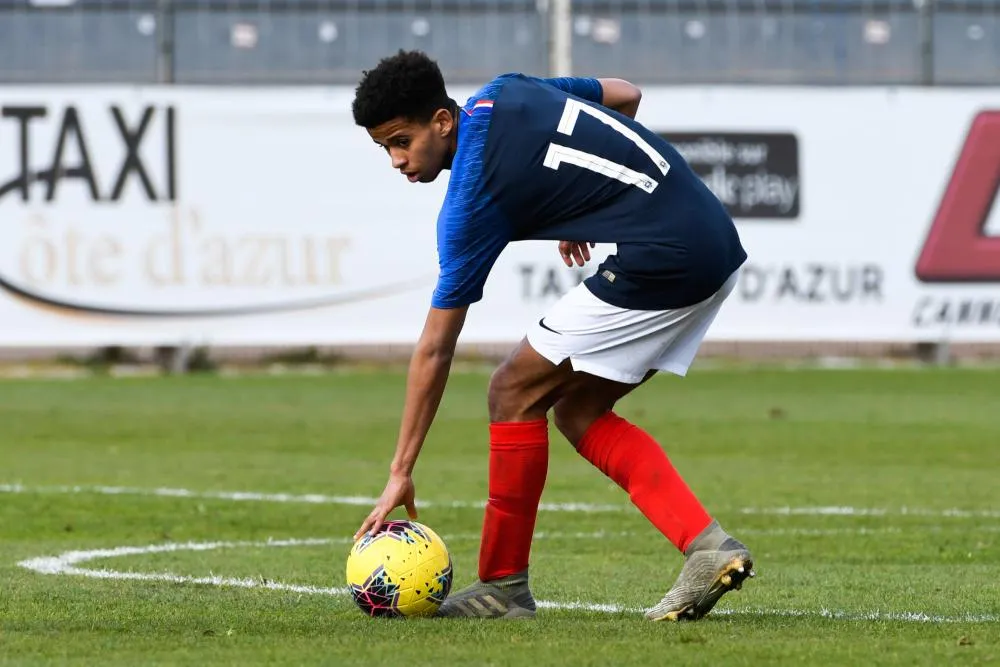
column 527, row 385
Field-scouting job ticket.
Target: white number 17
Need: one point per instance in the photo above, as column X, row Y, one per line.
column 557, row 153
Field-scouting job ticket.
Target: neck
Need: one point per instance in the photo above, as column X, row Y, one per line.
column 456, row 118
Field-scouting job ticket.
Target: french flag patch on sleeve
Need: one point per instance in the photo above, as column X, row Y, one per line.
column 480, row 105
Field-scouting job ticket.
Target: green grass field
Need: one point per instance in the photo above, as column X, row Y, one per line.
column 903, row 571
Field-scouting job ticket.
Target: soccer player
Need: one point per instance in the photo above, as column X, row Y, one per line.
column 560, row 159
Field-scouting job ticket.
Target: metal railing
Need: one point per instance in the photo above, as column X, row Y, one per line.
column 827, row 42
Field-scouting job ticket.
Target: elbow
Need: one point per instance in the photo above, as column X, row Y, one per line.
column 627, row 92
column 630, row 105
column 443, row 356
column 623, row 96
column 437, row 352
column 635, row 95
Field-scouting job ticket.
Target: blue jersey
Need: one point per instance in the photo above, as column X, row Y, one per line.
column 543, row 159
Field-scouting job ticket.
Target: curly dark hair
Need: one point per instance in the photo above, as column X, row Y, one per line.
column 407, row 85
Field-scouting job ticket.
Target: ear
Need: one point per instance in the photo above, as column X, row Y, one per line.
column 442, row 122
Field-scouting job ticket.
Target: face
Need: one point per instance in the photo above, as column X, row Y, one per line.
column 420, row 151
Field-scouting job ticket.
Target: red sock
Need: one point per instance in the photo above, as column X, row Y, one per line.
column 519, row 461
column 630, row 457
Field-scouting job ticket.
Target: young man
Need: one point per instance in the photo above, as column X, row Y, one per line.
column 560, row 159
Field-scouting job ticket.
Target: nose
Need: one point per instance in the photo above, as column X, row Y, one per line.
column 398, row 159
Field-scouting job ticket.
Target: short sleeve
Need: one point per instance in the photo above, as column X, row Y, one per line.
column 471, row 231
column 469, row 244
column 588, row 88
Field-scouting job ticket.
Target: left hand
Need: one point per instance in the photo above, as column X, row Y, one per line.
column 575, row 250
column 399, row 491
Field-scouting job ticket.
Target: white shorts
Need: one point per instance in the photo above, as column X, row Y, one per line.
column 621, row 344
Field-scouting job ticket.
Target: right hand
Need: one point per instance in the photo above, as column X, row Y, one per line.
column 575, row 250
column 399, row 491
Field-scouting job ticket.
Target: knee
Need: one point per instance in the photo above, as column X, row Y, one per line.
column 502, row 395
column 573, row 417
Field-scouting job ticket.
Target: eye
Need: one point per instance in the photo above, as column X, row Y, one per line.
column 403, row 142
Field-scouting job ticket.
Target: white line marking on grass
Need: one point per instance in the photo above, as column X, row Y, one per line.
column 799, row 532
column 588, row 606
column 67, row 562
column 320, row 499
column 872, row 511
column 817, row 532
column 835, row 614
column 309, row 498
column 832, row 614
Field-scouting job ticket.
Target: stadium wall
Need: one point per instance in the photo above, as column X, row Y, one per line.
column 262, row 217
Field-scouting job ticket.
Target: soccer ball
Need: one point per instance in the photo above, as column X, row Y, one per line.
column 403, row 570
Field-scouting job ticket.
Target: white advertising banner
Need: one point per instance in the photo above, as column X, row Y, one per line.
column 139, row 216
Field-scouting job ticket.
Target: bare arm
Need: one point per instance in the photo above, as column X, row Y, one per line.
column 621, row 96
column 425, row 384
